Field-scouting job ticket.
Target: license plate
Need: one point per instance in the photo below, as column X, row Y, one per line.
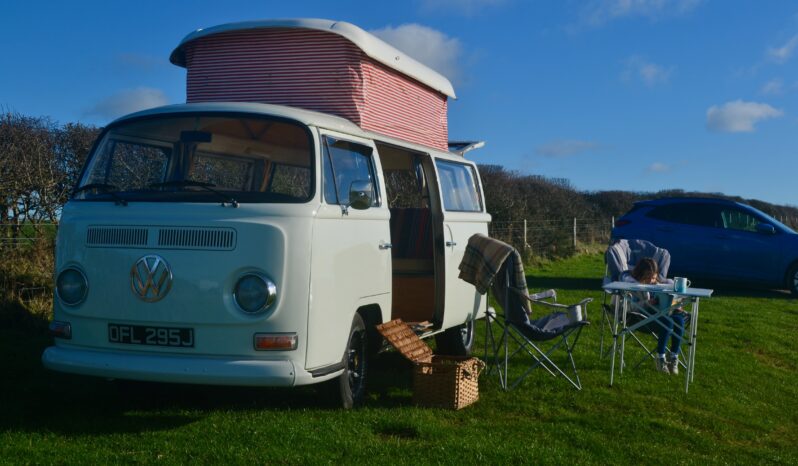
column 153, row 336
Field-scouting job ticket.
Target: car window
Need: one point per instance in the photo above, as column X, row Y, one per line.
column 735, row 219
column 345, row 162
column 705, row 215
column 459, row 187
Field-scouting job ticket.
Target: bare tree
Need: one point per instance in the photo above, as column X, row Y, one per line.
column 39, row 165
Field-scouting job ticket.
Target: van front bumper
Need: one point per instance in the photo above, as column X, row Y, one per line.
column 173, row 368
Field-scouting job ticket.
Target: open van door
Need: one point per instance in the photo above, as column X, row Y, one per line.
column 463, row 214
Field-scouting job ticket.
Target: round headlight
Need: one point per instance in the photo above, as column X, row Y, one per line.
column 71, row 286
column 254, row 293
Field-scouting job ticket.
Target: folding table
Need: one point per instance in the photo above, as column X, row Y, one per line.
column 624, row 303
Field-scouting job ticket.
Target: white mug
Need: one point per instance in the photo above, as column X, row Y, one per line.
column 680, row 284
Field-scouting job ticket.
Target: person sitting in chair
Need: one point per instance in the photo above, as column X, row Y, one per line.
column 645, row 272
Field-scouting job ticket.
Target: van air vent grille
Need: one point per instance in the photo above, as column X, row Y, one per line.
column 197, row 238
column 116, row 236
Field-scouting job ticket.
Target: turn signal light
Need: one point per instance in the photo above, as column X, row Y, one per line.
column 275, row 341
column 622, row 223
column 61, row 329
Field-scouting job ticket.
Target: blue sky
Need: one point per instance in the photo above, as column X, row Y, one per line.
column 610, row 94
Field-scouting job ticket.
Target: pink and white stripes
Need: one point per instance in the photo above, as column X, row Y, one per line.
column 319, row 71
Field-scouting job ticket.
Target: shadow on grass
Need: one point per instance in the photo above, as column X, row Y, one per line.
column 14, row 315
column 738, row 290
column 38, row 401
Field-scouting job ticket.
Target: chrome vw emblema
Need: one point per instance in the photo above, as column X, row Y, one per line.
column 151, row 278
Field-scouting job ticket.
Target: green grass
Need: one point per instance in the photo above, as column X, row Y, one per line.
column 741, row 407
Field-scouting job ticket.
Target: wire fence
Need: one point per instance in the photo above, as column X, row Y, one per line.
column 542, row 237
column 13, row 235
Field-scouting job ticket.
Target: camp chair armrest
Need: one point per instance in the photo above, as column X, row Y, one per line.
column 548, row 294
column 561, row 306
column 566, row 308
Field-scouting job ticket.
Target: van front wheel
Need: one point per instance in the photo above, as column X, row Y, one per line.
column 352, row 382
column 456, row 341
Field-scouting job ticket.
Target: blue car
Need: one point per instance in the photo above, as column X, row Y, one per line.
column 716, row 239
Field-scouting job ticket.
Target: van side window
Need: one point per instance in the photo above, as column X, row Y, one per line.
column 459, row 187
column 345, row 162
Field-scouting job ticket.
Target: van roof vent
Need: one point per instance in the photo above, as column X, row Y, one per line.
column 197, row 238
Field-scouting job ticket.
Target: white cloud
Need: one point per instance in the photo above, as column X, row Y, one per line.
column 658, row 167
column 566, row 148
column 650, row 73
column 128, row 101
column 773, row 87
column 464, row 7
column 784, row 53
column 429, row 46
column 739, row 116
column 599, row 12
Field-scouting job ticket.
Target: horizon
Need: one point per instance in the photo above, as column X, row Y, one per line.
column 611, row 95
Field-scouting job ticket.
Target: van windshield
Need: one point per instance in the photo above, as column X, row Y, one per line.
column 201, row 158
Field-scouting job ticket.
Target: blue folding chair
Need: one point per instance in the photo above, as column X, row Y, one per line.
column 519, row 337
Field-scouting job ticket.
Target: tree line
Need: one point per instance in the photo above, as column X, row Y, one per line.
column 41, row 160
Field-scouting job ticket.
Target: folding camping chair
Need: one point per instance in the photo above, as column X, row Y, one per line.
column 621, row 257
column 519, row 335
column 492, row 264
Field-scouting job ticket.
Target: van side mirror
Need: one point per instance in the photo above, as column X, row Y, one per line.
column 765, row 229
column 361, row 194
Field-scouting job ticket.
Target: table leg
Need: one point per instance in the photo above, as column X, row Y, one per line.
column 695, row 336
column 624, row 310
column 691, row 354
column 614, row 329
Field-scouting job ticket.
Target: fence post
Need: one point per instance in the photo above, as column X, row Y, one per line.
column 574, row 232
column 613, row 221
column 526, row 244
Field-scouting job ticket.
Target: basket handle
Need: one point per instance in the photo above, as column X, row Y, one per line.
column 480, row 366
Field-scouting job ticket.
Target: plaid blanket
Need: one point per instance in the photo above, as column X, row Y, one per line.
column 483, row 259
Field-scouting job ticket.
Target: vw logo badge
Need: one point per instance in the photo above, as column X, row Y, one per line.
column 151, row 278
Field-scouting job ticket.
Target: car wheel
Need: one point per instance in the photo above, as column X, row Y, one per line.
column 456, row 341
column 352, row 382
column 792, row 280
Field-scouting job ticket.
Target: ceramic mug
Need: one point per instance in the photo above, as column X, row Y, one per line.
column 680, row 284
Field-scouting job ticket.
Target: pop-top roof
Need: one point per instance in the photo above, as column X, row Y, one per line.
column 368, row 43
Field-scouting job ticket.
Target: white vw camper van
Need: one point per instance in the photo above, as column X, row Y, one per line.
column 242, row 239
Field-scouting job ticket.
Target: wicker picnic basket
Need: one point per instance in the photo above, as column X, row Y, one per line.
column 438, row 381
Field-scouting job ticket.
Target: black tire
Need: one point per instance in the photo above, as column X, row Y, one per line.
column 352, row 382
column 792, row 280
column 456, row 341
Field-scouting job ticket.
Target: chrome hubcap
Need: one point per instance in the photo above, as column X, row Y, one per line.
column 354, row 362
column 468, row 329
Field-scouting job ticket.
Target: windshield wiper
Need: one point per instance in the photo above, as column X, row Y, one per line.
column 199, row 184
column 104, row 188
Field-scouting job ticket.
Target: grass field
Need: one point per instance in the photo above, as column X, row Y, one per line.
column 742, row 407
